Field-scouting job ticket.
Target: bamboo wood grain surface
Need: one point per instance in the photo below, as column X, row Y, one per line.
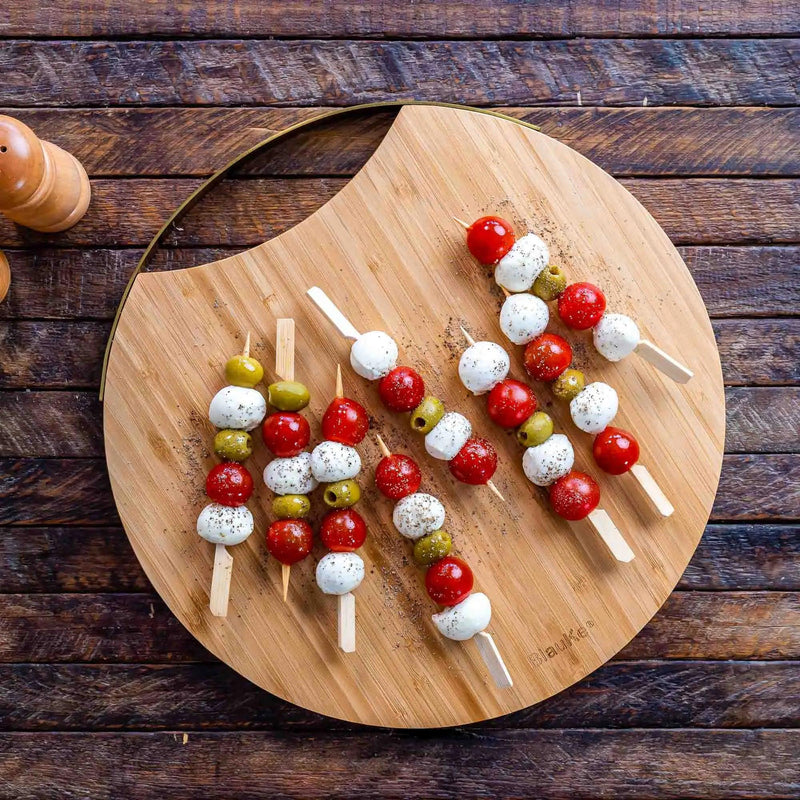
column 713, row 717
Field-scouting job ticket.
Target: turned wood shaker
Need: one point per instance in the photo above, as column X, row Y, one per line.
column 41, row 186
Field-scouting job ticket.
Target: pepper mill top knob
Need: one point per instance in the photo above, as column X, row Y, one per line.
column 41, row 186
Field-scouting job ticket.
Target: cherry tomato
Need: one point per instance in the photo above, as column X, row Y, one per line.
column 290, row 540
column 615, row 450
column 345, row 421
column 402, row 389
column 286, row 433
column 397, row 476
column 449, row 581
column 229, row 484
column 475, row 462
column 489, row 239
column 343, row 530
column 547, row 356
column 510, row 403
column 581, row 305
column 574, row 496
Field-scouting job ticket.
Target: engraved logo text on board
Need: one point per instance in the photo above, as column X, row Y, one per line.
column 565, row 642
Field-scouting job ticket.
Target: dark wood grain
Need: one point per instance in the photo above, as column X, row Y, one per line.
column 624, row 141
column 197, row 697
column 694, row 72
column 429, row 18
column 754, row 557
column 713, row 765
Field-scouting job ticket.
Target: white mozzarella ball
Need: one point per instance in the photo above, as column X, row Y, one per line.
column 595, row 407
column 521, row 265
column 463, row 621
column 333, row 461
column 482, row 366
column 290, row 475
column 224, row 524
column 340, row 573
column 523, row 317
column 448, row 436
column 547, row 462
column 373, row 355
column 418, row 514
column 615, row 336
column 237, row 407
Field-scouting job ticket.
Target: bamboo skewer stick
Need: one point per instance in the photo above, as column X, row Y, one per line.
column 284, row 368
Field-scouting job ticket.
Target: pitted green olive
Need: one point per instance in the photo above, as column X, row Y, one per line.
column 568, row 384
column 427, row 414
column 342, row 494
column 291, row 506
column 550, row 282
column 432, row 548
column 288, row 395
column 233, row 445
column 535, row 430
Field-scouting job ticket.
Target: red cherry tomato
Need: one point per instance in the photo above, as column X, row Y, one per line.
column 475, row 462
column 397, row 476
column 289, row 540
column 229, row 484
column 343, row 530
column 510, row 403
column 547, row 356
column 574, row 496
column 489, row 239
column 581, row 305
column 615, row 450
column 402, row 389
column 449, row 581
column 345, row 421
column 286, row 433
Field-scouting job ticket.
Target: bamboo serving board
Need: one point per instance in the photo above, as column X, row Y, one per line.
column 387, row 251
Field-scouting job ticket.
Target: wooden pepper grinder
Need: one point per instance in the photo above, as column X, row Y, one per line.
column 41, row 186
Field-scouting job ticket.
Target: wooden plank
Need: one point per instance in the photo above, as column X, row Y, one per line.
column 73, row 559
column 249, row 211
column 691, row 72
column 762, row 419
column 429, row 18
column 61, row 354
column 200, row 697
column 55, row 283
column 713, row 765
column 138, row 628
column 624, row 141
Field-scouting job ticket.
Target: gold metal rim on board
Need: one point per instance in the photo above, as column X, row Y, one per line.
column 211, row 182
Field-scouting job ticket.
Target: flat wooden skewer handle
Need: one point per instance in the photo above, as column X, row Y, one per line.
column 493, row 660
column 329, row 309
column 652, row 490
column 664, row 362
column 605, row 528
column 346, row 614
column 284, row 367
column 220, row 582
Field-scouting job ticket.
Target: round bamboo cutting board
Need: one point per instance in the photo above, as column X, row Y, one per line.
column 387, row 251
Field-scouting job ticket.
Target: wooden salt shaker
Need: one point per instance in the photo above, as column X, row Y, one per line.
column 41, row 186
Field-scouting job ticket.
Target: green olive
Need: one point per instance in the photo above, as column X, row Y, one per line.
column 233, row 445
column 342, row 494
column 550, row 283
column 288, row 395
column 243, row 371
column 429, row 549
column 568, row 384
column 427, row 414
column 535, row 430
column 291, row 506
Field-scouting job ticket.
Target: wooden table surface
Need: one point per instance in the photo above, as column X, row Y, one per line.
column 693, row 106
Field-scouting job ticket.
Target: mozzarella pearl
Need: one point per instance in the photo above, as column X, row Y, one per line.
column 449, row 435
column 547, row 462
column 595, row 407
column 333, row 461
column 482, row 366
column 615, row 336
column 463, row 621
column 373, row 355
column 237, row 407
column 417, row 515
column 290, row 475
column 224, row 524
column 521, row 265
column 340, row 573
column 523, row 317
